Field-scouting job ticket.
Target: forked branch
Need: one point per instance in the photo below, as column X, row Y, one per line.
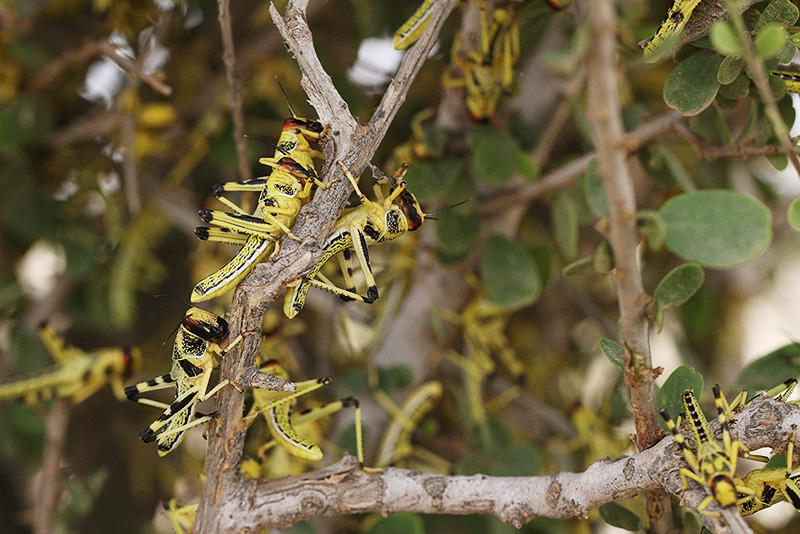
column 348, row 142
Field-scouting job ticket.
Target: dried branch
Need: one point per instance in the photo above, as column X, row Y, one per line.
column 133, row 68
column 343, row 488
column 605, row 119
column 354, row 145
column 229, row 58
column 50, row 488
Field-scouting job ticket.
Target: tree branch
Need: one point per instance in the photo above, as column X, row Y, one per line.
column 605, row 119
column 343, row 488
column 354, row 145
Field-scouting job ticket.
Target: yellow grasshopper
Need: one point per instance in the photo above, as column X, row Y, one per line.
column 76, row 375
column 710, row 465
column 372, row 222
column 198, row 343
column 287, row 189
column 276, row 407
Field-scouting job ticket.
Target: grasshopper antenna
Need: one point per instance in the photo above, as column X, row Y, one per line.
column 174, row 330
column 451, row 206
column 286, row 98
column 266, row 142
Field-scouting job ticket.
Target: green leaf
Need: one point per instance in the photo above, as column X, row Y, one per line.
column 432, row 179
column 456, row 234
column 653, row 228
column 793, row 214
column 494, row 153
column 738, row 88
column 770, row 370
column 725, row 39
column 508, row 273
column 614, row 352
column 786, row 53
column 517, row 459
column 691, row 86
column 782, row 12
column 770, row 40
column 527, row 166
column 577, row 267
column 22, row 120
column 679, row 285
column 618, row 516
column 716, row 228
column 565, row 226
column 603, row 259
column 675, row 289
column 681, row 379
column 398, row 523
column 395, row 377
column 729, row 70
column 595, row 191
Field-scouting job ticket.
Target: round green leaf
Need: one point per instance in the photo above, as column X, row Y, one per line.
column 793, row 213
column 679, row 285
column 508, row 273
column 614, row 352
column 691, row 86
column 432, row 179
column 495, row 154
column 729, row 70
column 770, row 40
column 456, row 234
column 618, row 516
column 681, row 379
column 782, row 12
column 725, row 39
column 716, row 228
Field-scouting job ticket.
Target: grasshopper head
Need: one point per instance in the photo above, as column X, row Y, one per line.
column 411, row 209
column 205, row 325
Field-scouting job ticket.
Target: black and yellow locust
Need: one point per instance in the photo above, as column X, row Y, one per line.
column 668, row 33
column 488, row 68
column 200, row 340
column 383, row 219
column 276, row 407
column 287, row 189
column 77, row 373
column 710, row 465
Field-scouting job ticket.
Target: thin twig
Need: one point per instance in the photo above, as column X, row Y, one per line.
column 229, row 58
column 133, row 68
column 56, row 421
column 605, row 119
